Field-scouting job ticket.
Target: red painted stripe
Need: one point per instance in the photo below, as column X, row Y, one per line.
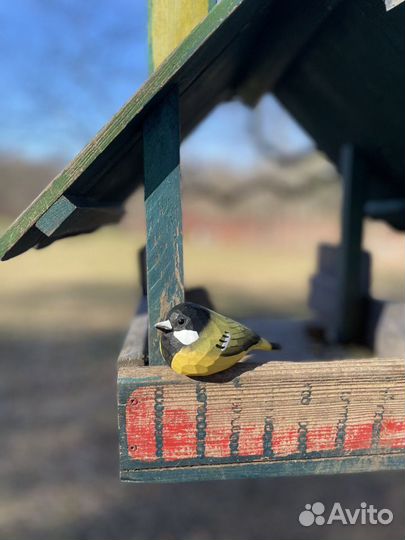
column 251, row 440
column 218, row 431
column 285, row 441
column 179, row 434
column 217, row 442
column 321, row 438
column 140, row 424
column 392, row 433
column 180, row 430
column 358, row 436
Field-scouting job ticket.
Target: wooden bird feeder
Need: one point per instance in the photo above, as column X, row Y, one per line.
column 337, row 67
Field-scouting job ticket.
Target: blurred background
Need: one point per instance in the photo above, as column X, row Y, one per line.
column 258, row 199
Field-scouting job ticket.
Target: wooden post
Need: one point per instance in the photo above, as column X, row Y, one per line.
column 350, row 312
column 164, row 245
column 169, row 23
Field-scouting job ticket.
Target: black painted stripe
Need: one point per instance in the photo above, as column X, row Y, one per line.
column 376, row 432
column 302, row 437
column 268, row 437
column 235, row 422
column 201, row 420
column 342, row 422
column 159, row 408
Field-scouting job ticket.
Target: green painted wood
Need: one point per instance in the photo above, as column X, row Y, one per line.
column 71, row 215
column 338, row 86
column 164, row 243
column 350, row 319
column 277, row 50
column 53, row 218
column 296, row 467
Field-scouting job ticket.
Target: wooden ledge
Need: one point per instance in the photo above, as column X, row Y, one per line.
column 262, row 419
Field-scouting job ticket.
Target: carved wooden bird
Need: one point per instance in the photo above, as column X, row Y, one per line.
column 197, row 341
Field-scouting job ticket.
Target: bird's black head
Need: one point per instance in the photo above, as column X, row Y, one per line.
column 182, row 327
column 185, row 316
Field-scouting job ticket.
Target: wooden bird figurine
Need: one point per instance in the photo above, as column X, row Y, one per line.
column 197, row 341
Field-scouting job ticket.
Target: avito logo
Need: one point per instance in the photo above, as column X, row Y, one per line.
column 367, row 514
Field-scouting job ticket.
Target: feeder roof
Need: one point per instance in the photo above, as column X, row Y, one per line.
column 336, row 65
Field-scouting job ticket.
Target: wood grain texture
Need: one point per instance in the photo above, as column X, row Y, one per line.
column 164, row 232
column 290, row 467
column 170, row 23
column 134, row 349
column 71, row 215
column 255, row 419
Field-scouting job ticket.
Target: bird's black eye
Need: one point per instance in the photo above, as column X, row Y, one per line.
column 181, row 321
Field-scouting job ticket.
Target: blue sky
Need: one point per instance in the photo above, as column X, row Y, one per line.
column 68, row 66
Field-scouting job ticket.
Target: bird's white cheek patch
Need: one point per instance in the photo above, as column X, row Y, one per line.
column 186, row 337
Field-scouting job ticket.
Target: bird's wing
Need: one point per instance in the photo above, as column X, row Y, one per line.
column 235, row 337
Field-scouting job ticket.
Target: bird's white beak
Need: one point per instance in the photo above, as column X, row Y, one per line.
column 164, row 326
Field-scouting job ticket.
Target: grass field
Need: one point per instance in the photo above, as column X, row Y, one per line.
column 92, row 283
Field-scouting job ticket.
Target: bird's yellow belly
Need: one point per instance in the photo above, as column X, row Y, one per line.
column 191, row 364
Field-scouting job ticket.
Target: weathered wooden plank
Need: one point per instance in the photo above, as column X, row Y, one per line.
column 254, row 418
column 170, row 23
column 350, row 320
column 164, row 241
column 49, row 222
column 70, row 215
column 293, row 467
column 134, row 349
